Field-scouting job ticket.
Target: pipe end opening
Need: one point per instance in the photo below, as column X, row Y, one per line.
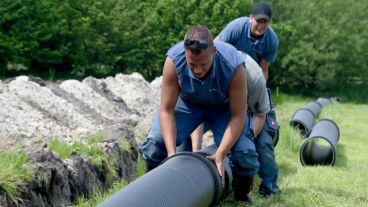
column 317, row 151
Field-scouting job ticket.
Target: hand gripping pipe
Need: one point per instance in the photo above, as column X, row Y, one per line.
column 185, row 179
column 321, row 145
column 303, row 119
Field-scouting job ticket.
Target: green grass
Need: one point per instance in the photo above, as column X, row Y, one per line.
column 344, row 184
column 125, row 146
column 90, row 149
column 100, row 197
column 13, row 173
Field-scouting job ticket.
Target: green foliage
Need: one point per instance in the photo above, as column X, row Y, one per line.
column 319, row 48
column 75, row 38
column 13, row 173
column 322, row 43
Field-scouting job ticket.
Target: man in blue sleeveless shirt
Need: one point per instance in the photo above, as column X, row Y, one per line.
column 205, row 82
column 255, row 37
column 258, row 105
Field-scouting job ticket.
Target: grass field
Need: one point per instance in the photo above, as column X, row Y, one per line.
column 344, row 184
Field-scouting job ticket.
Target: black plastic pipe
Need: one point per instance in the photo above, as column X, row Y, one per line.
column 210, row 150
column 303, row 119
column 185, row 179
column 314, row 107
column 324, row 101
column 321, row 145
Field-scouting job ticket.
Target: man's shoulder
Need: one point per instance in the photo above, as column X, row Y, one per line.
column 228, row 54
column 272, row 36
column 176, row 50
column 241, row 21
column 224, row 47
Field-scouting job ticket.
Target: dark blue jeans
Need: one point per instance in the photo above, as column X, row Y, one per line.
column 268, row 171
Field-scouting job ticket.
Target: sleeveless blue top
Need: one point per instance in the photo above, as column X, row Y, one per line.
column 212, row 90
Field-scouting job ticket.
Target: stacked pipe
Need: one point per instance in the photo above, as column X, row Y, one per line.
column 185, row 179
column 320, row 145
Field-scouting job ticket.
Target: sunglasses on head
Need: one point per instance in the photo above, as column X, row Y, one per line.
column 200, row 44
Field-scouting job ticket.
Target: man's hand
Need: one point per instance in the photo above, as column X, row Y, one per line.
column 169, row 154
column 218, row 159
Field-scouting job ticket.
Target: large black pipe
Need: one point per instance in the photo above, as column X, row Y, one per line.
column 185, row 179
column 303, row 119
column 324, row 101
column 314, row 107
column 321, row 145
column 210, row 150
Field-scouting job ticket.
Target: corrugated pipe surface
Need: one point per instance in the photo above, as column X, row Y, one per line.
column 185, row 179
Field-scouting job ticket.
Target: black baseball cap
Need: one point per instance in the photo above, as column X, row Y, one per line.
column 262, row 10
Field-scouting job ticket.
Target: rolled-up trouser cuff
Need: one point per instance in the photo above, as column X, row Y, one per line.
column 153, row 153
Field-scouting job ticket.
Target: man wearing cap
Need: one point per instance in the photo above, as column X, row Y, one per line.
column 205, row 82
column 254, row 36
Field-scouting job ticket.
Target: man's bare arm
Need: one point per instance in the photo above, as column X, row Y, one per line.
column 169, row 96
column 264, row 65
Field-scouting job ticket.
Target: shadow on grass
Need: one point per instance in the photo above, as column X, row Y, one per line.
column 286, row 169
column 256, row 199
column 326, row 192
column 347, row 93
column 341, row 159
column 289, row 196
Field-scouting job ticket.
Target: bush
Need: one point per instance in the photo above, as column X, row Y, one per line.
column 319, row 47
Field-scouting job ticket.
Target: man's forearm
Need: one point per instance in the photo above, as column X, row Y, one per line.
column 168, row 128
column 264, row 64
column 231, row 135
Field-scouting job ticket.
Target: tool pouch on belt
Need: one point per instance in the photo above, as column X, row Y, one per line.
column 271, row 126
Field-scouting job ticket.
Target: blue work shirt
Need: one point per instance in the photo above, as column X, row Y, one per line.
column 237, row 33
column 212, row 90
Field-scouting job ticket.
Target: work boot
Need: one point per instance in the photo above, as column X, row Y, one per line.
column 242, row 186
column 267, row 192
